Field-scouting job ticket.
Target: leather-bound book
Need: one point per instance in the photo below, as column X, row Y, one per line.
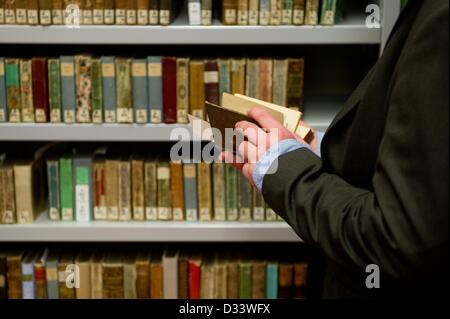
column 169, row 65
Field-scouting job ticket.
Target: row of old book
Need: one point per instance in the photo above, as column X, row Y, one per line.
column 156, row 274
column 105, row 184
column 88, row 12
column 86, row 89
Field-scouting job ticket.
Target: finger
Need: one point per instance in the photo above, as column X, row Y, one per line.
column 249, row 151
column 251, row 131
column 247, row 170
column 264, row 119
column 229, row 158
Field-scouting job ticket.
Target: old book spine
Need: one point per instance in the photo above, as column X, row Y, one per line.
column 286, row 281
column 129, row 279
column 40, row 89
column 124, row 190
column 272, row 280
column 264, row 12
column 143, row 278
column 197, row 91
column 195, row 12
column 156, row 280
column 123, row 91
column 220, row 280
column 82, row 170
column 66, row 188
column 204, row 191
column 53, row 189
column 155, row 88
column 96, row 91
column 137, row 180
column 32, row 12
column 229, row 12
column 26, row 91
column 206, row 12
column 14, row 276
column 153, row 12
column 219, row 191
column 265, row 79
column 232, row 192
column 140, row 98
column 96, row 276
column 3, row 101
column 311, row 12
column 211, row 80
column 176, row 189
column 87, row 12
column 131, row 15
column 3, row 270
column 244, row 198
column 166, row 8
column 98, row 8
column 142, row 7
column 83, row 71
column 169, row 89
column 21, row 11
column 183, row 280
column 279, row 88
column 10, row 11
column 207, row 280
column 9, row 205
column 45, row 12
column 286, row 17
column 84, row 290
column 65, row 291
column 328, row 12
column 109, row 88
column 51, row 274
column 252, row 78
column 164, row 195
column 68, row 88
column 57, row 12
column 242, row 12
column 40, row 281
column 190, row 191
column 2, row 202
column 28, row 283
column 151, row 190
column 109, row 12
column 300, row 280
column 259, row 280
column 12, row 72
column 258, row 206
column 194, row 278
column 99, row 179
column 23, row 183
column 120, row 11
column 298, row 15
column 245, row 280
column 54, row 90
column 182, row 89
column 233, row 280
column 275, row 12
column 2, row 11
column 253, row 12
column 113, row 281
column 238, row 76
column 224, row 77
column 295, row 84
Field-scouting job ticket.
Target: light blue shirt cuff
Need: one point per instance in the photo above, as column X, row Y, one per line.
column 319, row 137
column 266, row 161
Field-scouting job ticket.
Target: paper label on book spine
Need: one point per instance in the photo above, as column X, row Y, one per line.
column 124, row 115
column 155, row 116
column 197, row 113
column 55, row 116
column 131, row 16
column 264, row 17
column 108, row 69
column 8, row 217
column 83, row 115
column 52, row 274
column 97, row 16
column 57, row 16
column 2, row 115
column 87, row 16
column 67, row 69
column 23, row 217
column 258, row 213
column 242, row 17
column 206, row 17
column 109, row 16
column 67, row 214
column 41, row 117
column 312, row 17
column 232, row 214
column 163, row 173
column 33, row 17
column 253, row 17
column 21, row 16
column 194, row 13
column 28, row 115
column 298, row 16
column 2, row 16
column 191, row 214
column 270, row 214
column 163, row 213
column 138, row 213
column 211, row 76
column 154, row 69
column 97, row 116
column 14, row 115
column 164, row 17
column 189, row 171
column 45, row 17
column 2, row 69
column 113, row 213
column 120, row 16
column 100, row 212
column 287, row 16
column 142, row 17
column 110, row 116
column 151, row 213
column 124, row 213
column 230, row 16
column 177, row 213
column 10, row 16
column 82, row 202
column 54, row 213
column 219, row 213
column 275, row 18
column 153, row 16
column 138, row 69
column 141, row 116
column 245, row 214
column 329, row 17
column 69, row 116
column 182, row 116
column 205, row 214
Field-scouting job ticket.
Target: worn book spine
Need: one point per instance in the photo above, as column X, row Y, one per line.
column 252, row 78
column 2, row 196
column 169, row 65
column 3, row 103
column 207, row 283
column 96, row 94
column 272, row 280
column 32, row 12
column 231, row 188
column 87, row 12
column 242, row 12
column 298, row 15
column 40, row 89
column 3, row 270
column 99, row 179
column 151, row 190
column 68, row 88
column 109, row 88
column 233, row 279
column 129, row 278
column 275, row 12
column 97, row 12
column 53, row 189
column 155, row 88
column 124, row 190
column 220, row 280
column 286, row 16
column 123, row 91
column 311, row 12
column 131, row 14
column 245, row 280
column 197, row 91
column 153, row 12
column 195, row 12
column 253, row 12
column 229, row 12
column 26, row 91
column 51, row 273
column 142, row 276
column 113, row 281
column 20, row 11
column 166, row 11
column 23, row 183
column 176, row 189
column 57, row 12
column 300, row 280
column 83, row 70
column 10, row 11
column 279, row 82
column 183, row 280
column 54, row 90
column 219, row 186
column 170, row 275
column 224, row 77
column 109, row 12
column 2, row 11
column 142, row 11
column 66, row 188
column 259, row 280
column 328, row 12
column 238, row 76
column 194, row 278
column 12, row 72
column 164, row 195
column 28, row 291
column 258, row 206
column 295, row 84
column 286, row 281
column 265, row 79
column 140, row 97
column 82, row 170
column 190, row 191
column 120, row 12
column 206, row 12
column 204, row 191
column 40, row 280
column 156, row 279
column 182, row 89
column 264, row 12
column 84, row 267
column 96, row 276
column 45, row 12
column 211, row 80
column 244, row 198
column 14, row 275
column 9, row 205
column 137, row 184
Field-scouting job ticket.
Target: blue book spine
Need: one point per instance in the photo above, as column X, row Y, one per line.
column 190, row 191
column 109, row 88
column 68, row 89
column 140, row 96
column 155, row 94
column 52, row 279
column 27, row 280
column 264, row 12
column 3, row 107
column 272, row 281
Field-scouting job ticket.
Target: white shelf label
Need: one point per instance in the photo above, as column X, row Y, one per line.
column 54, row 213
column 138, row 213
column 206, row 17
column 87, row 16
column 194, row 13
column 10, row 16
column 205, row 214
column 163, row 213
column 245, row 214
column 164, row 17
column 14, row 115
column 258, row 213
column 113, row 213
column 100, row 213
column 28, row 115
column 253, row 17
column 219, row 213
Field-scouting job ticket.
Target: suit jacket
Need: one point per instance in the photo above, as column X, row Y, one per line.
column 379, row 195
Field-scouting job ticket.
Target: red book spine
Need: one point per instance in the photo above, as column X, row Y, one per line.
column 194, row 280
column 169, row 65
column 211, row 78
column 99, row 186
column 40, row 88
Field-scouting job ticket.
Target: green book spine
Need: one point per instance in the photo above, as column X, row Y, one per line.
column 232, row 194
column 123, row 91
column 219, row 191
column 164, row 202
column 286, row 16
column 328, row 12
column 66, row 188
column 245, row 281
column 13, row 89
column 151, row 191
column 97, row 96
column 54, row 90
column 53, row 189
column 224, row 78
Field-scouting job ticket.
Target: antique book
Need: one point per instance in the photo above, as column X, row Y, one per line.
column 28, row 283
column 82, row 177
column 183, row 275
column 142, row 11
column 109, row 88
column 166, row 11
column 156, row 276
column 211, row 81
column 286, row 15
column 99, row 187
column 190, row 191
column 120, row 11
column 231, row 192
column 259, row 279
column 229, row 12
column 54, row 90
column 3, row 270
column 252, row 77
column 131, row 14
column 264, row 12
column 51, row 274
column 207, row 283
column 164, row 195
column 279, row 81
column 300, row 280
column 327, row 12
column 298, row 15
column 96, row 275
column 109, row 12
column 219, row 191
column 40, row 277
column 245, row 279
column 153, row 13
column 195, row 269
column 286, row 280
column 66, row 283
column 311, row 12
column 244, row 198
column 21, row 11
column 8, row 202
column 137, row 187
column 83, row 68
column 139, row 84
column 265, row 80
column 253, row 12
column 86, row 12
column 10, row 11
column 194, row 12
column 112, row 274
column 40, row 89
column 237, row 76
column 295, row 84
column 197, row 92
column 151, row 189
column 155, row 88
column 96, row 90
column 242, row 12
column 170, row 274
column 272, row 280
column 3, row 103
column 142, row 265
column 182, row 89
column 233, row 276
column 275, row 12
column 176, row 189
column 204, row 191
column 2, row 11
column 14, row 274
column 224, row 77
column 169, row 65
column 68, row 88
column 53, row 179
column 124, row 181
column 258, row 206
column 83, row 261
column 57, row 12
column 26, row 91
column 97, row 12
column 66, row 187
column 129, row 276
column 12, row 71
column 206, row 12
column 123, row 91
column 220, row 277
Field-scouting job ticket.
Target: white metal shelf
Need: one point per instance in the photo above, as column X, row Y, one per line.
column 146, row 231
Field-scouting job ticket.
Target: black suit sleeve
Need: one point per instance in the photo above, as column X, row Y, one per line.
column 402, row 225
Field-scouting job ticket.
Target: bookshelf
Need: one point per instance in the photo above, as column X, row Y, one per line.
column 319, row 112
